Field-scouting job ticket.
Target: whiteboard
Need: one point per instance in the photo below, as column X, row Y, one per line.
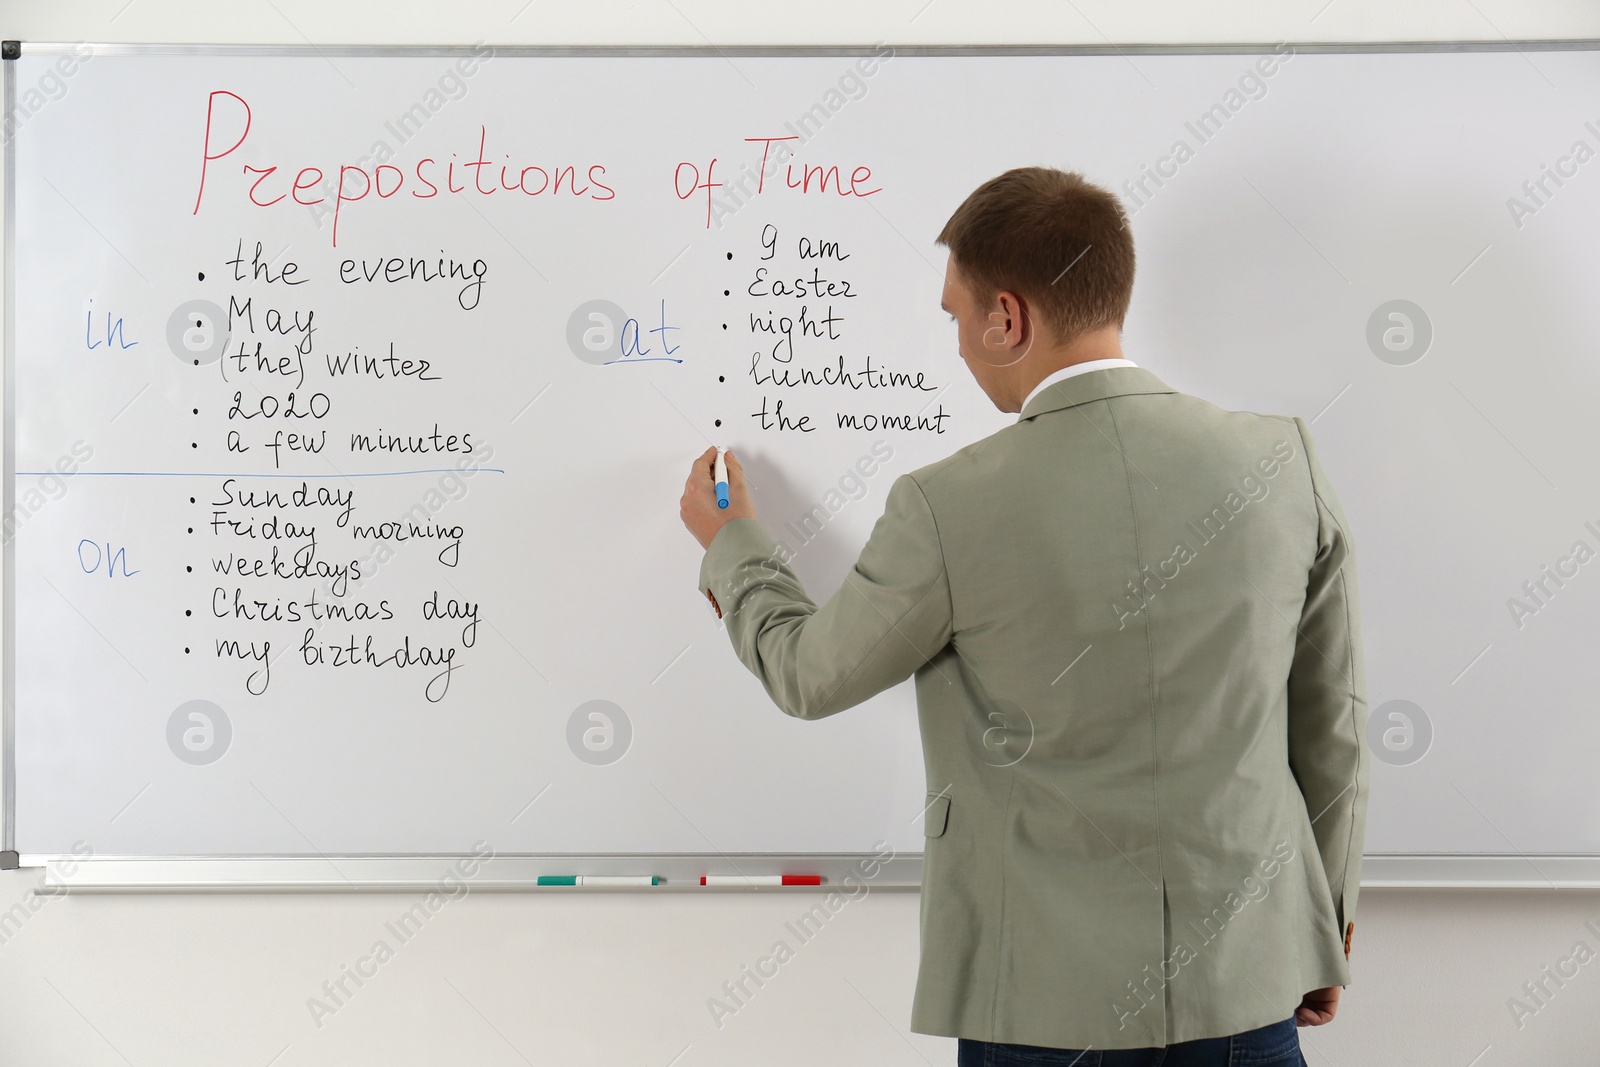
column 499, row 385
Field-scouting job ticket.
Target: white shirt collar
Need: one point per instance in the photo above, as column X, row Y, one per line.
column 1076, row 368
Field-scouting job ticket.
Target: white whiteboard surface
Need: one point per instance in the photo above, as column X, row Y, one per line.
column 1316, row 196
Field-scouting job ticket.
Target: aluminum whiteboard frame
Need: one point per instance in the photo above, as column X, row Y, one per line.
column 680, row 872
column 745, row 51
column 519, row 871
column 8, row 345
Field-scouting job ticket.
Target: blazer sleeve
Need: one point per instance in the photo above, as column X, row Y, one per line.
column 891, row 615
column 1328, row 700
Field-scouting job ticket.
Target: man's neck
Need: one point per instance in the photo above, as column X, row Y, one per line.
column 1101, row 344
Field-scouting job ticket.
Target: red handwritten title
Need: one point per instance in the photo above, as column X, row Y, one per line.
column 229, row 118
column 308, row 185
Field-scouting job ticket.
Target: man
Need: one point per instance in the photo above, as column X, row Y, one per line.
column 1133, row 621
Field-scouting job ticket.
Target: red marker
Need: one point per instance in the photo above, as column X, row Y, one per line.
column 761, row 879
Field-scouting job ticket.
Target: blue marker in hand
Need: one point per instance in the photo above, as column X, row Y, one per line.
column 722, row 478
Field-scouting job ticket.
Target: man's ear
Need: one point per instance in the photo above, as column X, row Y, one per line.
column 1018, row 311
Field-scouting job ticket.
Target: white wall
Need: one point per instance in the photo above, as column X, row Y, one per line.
column 624, row 978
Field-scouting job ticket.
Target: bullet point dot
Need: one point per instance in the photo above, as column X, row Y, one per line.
column 724, row 326
column 186, row 652
column 186, row 611
column 719, row 422
column 189, row 569
column 724, row 292
column 194, row 444
column 730, row 255
column 191, row 500
column 191, row 529
column 197, row 411
column 720, row 378
column 197, row 363
column 202, row 277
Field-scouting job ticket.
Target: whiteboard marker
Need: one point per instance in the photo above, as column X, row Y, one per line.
column 760, row 879
column 722, row 478
column 599, row 879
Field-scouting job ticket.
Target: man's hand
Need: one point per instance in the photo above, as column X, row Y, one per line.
column 1317, row 1007
column 698, row 508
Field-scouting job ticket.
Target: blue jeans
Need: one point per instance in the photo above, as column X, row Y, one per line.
column 1277, row 1045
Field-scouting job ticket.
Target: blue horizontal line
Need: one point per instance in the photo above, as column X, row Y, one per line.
column 249, row 474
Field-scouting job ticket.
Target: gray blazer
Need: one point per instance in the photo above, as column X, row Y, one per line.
column 1133, row 622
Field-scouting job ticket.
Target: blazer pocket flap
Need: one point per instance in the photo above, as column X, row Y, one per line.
column 936, row 815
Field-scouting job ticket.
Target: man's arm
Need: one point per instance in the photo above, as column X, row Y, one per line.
column 1328, row 701
column 891, row 615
